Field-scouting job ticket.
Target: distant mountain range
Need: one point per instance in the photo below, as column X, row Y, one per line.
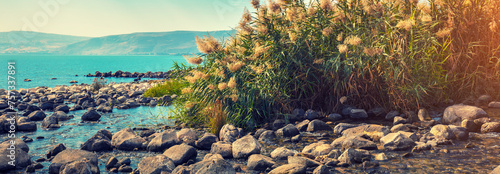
column 151, row 43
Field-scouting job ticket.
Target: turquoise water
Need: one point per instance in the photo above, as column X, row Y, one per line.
column 41, row 68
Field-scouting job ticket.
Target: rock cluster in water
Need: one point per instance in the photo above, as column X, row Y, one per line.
column 176, row 149
column 119, row 73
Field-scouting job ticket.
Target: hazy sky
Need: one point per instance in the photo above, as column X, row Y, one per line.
column 108, row 17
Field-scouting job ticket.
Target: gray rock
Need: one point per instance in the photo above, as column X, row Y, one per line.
column 163, row 140
column 397, row 141
column 22, row 158
column 91, row 115
column 112, row 162
column 470, row 126
column 82, row 161
column 390, row 116
column 127, row 140
column 360, row 130
column 101, row 141
column 423, row 115
column 259, row 162
column 302, row 161
column 317, row 149
column 399, row 120
column 246, row 146
column 334, row 117
column 341, row 127
column 302, row 126
column 187, row 135
column 322, row 169
column 442, row 132
column 282, row 153
column 55, row 150
column 211, row 165
column 351, row 156
column 278, row 123
column 156, row 165
column 83, row 166
column 358, row 114
column 297, row 114
column 287, row 131
column 460, row 133
column 63, row 108
column 229, row 133
column 494, row 104
column 26, row 127
column 456, row 113
column 206, row 141
column 490, row 127
column 61, row 116
column 50, row 122
column 180, row 153
column 36, row 116
column 311, row 114
column 358, row 142
column 223, row 148
column 318, row 125
column 290, row 169
column 267, row 136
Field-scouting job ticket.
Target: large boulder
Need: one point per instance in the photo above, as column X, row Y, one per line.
column 206, row 141
column 318, row 125
column 82, row 161
column 259, row 162
column 21, row 158
column 282, row 153
column 442, row 132
column 50, row 122
column 101, row 141
column 63, row 108
column 180, row 153
column 246, row 146
column 91, row 115
column 341, row 127
column 187, row 135
column 80, row 167
column 126, row 139
column 397, row 141
column 358, row 114
column 287, row 131
column 225, row 149
column 229, row 133
column 55, row 150
column 61, row 116
column 163, row 140
column 351, row 156
column 37, row 115
column 356, row 142
column 156, row 165
column 456, row 113
column 360, row 130
column 209, row 164
column 490, row 127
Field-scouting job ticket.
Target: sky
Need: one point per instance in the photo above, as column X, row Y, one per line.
column 95, row 18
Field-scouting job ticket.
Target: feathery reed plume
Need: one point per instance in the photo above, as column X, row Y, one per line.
column 193, row 60
column 207, row 44
column 234, row 97
column 340, row 37
column 327, row 31
column 257, row 69
column 231, row 83
column 493, row 26
column 255, row 4
column 259, row 50
column 292, row 13
column 327, row 5
column 372, row 51
column 342, row 48
column 220, row 72
column 443, row 32
column 212, row 87
column 235, row 66
column 426, row 18
column 189, row 104
column 274, row 7
column 262, row 29
column 352, row 40
column 292, row 35
column 318, row 61
column 405, row 24
column 222, row 86
column 187, row 90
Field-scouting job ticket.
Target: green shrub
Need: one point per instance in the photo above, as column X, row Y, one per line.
column 169, row 87
column 293, row 55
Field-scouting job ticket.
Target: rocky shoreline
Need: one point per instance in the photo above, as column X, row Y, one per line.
column 352, row 141
column 126, row 74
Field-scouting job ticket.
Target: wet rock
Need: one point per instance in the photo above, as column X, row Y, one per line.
column 318, row 149
column 211, row 165
column 442, row 131
column 246, row 146
column 490, row 127
column 377, row 112
column 423, row 115
column 397, row 141
column 46, row 106
column 37, row 116
column 187, row 135
column 399, row 120
column 390, row 116
column 470, row 126
column 296, row 138
column 318, row 125
column 126, row 139
column 61, row 116
column 125, row 169
column 322, row 169
column 356, row 142
column 100, row 142
column 311, row 114
column 50, row 122
column 456, row 113
column 156, row 165
column 27, row 127
column 229, row 133
column 341, row 127
column 146, row 133
column 278, row 123
column 223, row 148
column 282, row 153
column 55, row 150
column 302, row 126
column 421, row 147
column 302, row 161
column 428, row 124
column 63, row 108
column 290, row 169
column 287, row 131
column 259, row 162
column 460, row 133
column 358, row 114
column 267, row 136
column 17, row 146
column 351, row 156
column 403, row 127
column 360, row 130
column 105, row 109
column 71, row 160
column 163, row 140
column 180, row 153
column 297, row 115
column 206, row 141
column 334, row 117
column 112, row 162
column 91, row 115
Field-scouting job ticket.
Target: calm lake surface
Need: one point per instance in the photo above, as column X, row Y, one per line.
column 41, row 68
